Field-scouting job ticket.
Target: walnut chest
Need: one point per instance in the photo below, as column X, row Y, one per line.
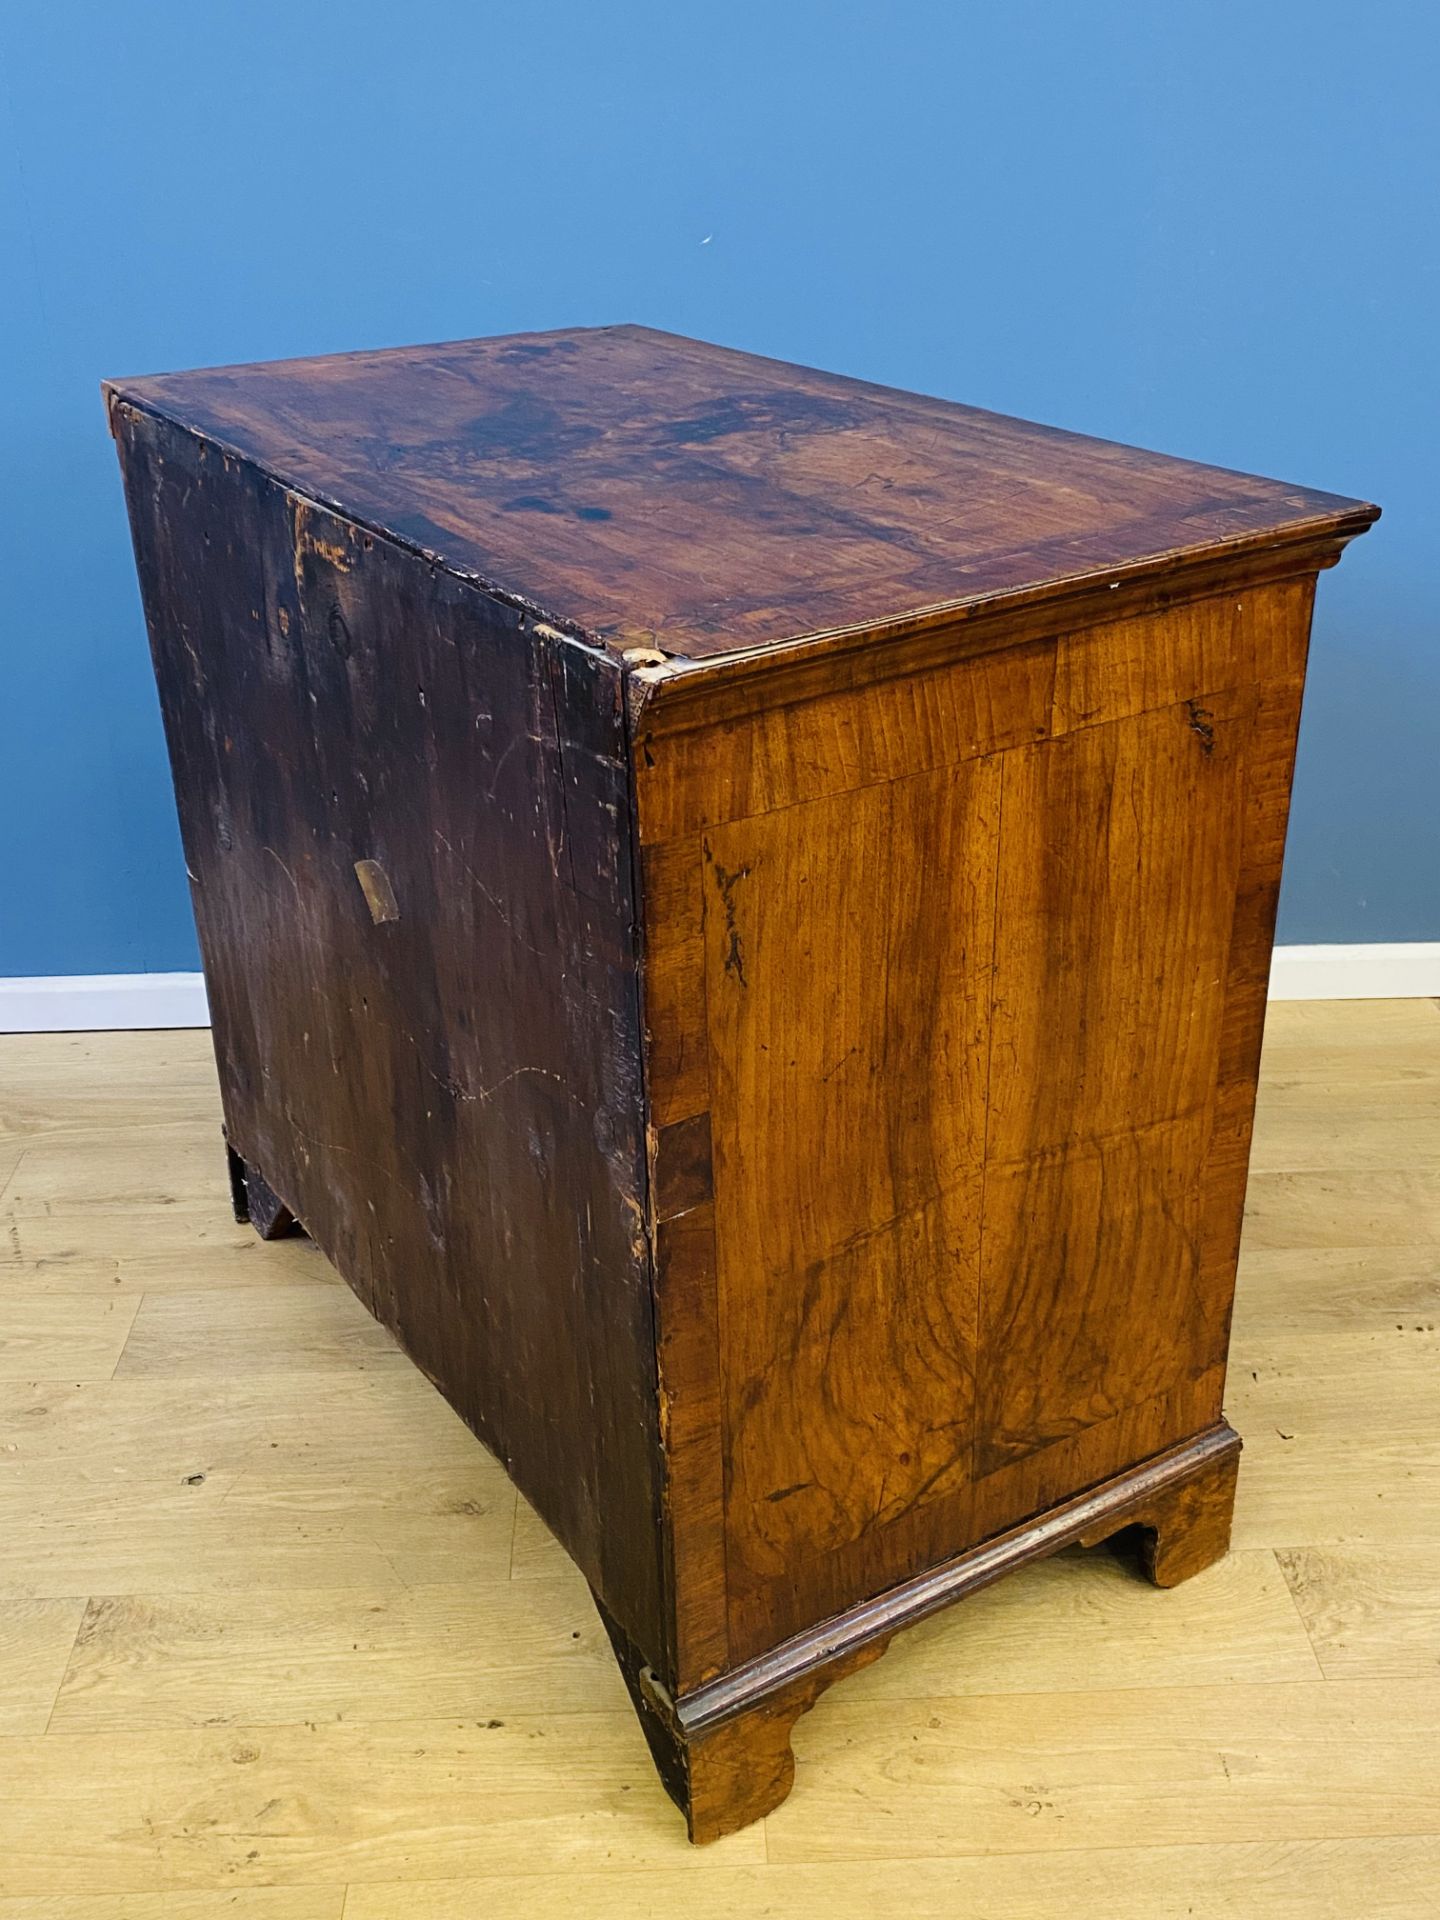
column 736, row 906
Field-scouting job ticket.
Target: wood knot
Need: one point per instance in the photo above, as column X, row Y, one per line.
column 1202, row 724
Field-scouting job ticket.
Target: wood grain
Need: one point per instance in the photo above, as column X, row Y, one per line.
column 691, row 776
column 1392, row 1879
column 676, row 1039
column 1067, row 1682
column 73, row 1335
column 449, row 1100
column 1232, row 1625
column 1114, row 669
column 1371, row 1613
column 736, row 909
column 846, row 1221
column 76, row 1192
column 1123, row 822
column 36, row 1637
column 300, row 1654
column 251, row 1903
column 218, row 1333
column 150, row 1811
column 689, row 1380
column 203, row 1484
column 1343, row 1207
column 1003, row 1772
column 651, row 490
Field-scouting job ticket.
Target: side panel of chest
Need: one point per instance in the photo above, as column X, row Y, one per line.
column 953, row 991
column 405, row 813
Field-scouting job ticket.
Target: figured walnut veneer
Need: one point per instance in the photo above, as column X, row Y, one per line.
column 736, row 907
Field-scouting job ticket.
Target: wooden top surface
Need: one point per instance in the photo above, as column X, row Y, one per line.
column 642, row 489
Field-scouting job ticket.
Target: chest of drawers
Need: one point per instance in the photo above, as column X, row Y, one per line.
column 736, row 907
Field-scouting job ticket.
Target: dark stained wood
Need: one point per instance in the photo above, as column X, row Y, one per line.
column 239, row 1198
column 447, row 1094
column 681, row 1175
column 790, row 1085
column 261, row 1207
column 648, row 490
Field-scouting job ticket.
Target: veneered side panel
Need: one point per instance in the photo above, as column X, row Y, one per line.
column 846, row 968
column 1139, row 872
column 973, row 1053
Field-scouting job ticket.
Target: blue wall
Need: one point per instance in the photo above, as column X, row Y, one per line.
column 1207, row 226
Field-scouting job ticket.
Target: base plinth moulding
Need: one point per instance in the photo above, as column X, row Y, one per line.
column 723, row 1751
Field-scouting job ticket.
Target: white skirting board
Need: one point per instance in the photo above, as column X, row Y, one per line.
column 1383, row 970
column 102, row 1002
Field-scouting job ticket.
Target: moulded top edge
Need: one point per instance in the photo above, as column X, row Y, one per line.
column 651, row 493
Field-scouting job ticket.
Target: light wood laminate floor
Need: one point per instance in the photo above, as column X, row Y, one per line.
column 277, row 1642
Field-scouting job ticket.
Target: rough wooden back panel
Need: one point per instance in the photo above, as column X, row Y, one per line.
column 651, row 490
column 953, row 989
column 406, row 814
